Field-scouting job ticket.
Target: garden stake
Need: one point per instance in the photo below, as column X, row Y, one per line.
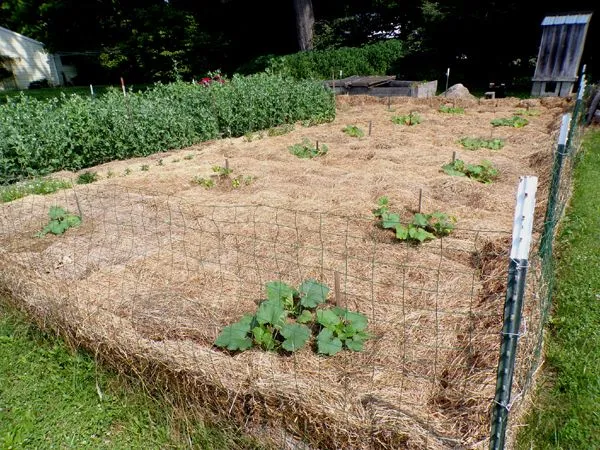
column 337, row 292
column 370, row 126
column 226, row 164
column 420, row 199
column 453, row 157
column 92, row 90
column 123, row 87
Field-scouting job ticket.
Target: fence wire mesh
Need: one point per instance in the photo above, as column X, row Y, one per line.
column 149, row 280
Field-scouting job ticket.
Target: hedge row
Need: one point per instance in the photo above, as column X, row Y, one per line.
column 373, row 59
column 40, row 137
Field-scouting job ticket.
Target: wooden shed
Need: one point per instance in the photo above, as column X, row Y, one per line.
column 563, row 40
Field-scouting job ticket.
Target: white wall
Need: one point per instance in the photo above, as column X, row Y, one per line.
column 32, row 61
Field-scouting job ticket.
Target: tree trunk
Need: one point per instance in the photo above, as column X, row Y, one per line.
column 305, row 21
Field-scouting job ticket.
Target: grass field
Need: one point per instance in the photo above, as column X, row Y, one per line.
column 53, row 398
column 566, row 413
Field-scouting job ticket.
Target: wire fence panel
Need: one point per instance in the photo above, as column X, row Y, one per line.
column 150, row 281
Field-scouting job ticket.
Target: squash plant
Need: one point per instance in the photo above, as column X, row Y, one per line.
column 60, row 221
column 289, row 318
column 421, row 228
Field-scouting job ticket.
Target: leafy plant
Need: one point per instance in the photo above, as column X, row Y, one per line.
column 60, row 221
column 412, row 118
column 341, row 328
column 354, row 131
column 283, row 318
column 451, row 109
column 127, row 171
column 38, row 187
column 307, row 150
column 484, row 172
column 514, row 121
column 474, row 143
column 144, row 167
column 87, row 178
column 204, row 182
column 527, row 112
column 423, row 227
column 175, row 160
column 160, row 162
column 221, row 171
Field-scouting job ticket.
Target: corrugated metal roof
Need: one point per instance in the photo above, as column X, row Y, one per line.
column 580, row 19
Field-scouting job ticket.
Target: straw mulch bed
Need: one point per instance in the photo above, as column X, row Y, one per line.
column 160, row 265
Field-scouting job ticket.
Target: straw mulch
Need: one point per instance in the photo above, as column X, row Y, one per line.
column 160, row 265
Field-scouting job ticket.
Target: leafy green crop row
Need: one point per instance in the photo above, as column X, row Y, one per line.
column 40, row 137
column 373, row 59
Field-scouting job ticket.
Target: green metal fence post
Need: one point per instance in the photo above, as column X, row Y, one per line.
column 513, row 306
column 551, row 219
column 577, row 109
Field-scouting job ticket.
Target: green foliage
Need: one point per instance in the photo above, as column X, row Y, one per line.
column 514, row 121
column 44, row 136
column 527, row 112
column 280, row 130
column 484, row 172
column 354, row 131
column 423, row 227
column 222, row 171
column 286, row 321
column 60, row 221
column 412, row 118
column 204, row 182
column 53, row 397
column 307, row 150
column 87, row 178
column 451, row 109
column 372, row 59
column 37, row 187
column 341, row 327
column 564, row 412
column 144, row 167
column 474, row 143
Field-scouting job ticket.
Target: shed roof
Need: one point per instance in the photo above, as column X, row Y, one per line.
column 579, row 19
column 23, row 36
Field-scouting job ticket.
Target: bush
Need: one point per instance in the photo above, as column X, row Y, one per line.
column 373, row 59
column 38, row 137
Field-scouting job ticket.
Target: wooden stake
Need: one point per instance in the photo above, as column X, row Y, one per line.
column 92, row 90
column 453, row 157
column 389, row 103
column 336, row 288
column 420, row 199
column 370, row 126
column 317, row 145
column 123, row 87
column 226, row 164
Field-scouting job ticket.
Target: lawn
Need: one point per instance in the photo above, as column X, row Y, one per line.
column 51, row 397
column 566, row 413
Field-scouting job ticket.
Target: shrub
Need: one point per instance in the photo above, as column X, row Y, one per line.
column 372, row 59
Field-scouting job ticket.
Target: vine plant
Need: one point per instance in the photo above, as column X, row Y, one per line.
column 421, row 228
column 289, row 319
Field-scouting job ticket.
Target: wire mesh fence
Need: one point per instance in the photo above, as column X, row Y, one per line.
column 148, row 280
column 155, row 279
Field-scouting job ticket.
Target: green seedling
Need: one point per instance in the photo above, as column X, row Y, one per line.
column 307, row 150
column 354, row 131
column 474, row 143
column 514, row 121
column 87, row 178
column 484, row 172
column 60, row 221
column 409, row 119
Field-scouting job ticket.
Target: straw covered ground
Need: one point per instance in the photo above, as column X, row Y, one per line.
column 160, row 265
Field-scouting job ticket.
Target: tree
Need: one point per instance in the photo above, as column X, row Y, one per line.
column 305, row 22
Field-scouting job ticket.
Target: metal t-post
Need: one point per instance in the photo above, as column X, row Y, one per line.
column 513, row 306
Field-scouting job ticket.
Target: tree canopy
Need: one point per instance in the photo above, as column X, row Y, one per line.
column 149, row 40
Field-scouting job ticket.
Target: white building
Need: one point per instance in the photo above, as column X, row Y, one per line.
column 26, row 60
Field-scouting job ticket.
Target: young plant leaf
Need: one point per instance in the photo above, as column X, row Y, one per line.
column 235, row 336
column 328, row 318
column 390, row 220
column 278, row 290
column 295, row 335
column 420, row 220
column 305, row 317
column 327, row 344
column 401, row 232
column 357, row 320
column 355, row 344
column 264, row 338
column 271, row 312
column 312, row 293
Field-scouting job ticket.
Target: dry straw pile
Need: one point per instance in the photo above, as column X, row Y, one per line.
column 160, row 265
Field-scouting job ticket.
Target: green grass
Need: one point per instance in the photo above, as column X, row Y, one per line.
column 566, row 412
column 53, row 398
column 40, row 186
column 46, row 93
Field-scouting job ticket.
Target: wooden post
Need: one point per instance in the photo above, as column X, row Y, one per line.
column 123, row 87
column 453, row 157
column 317, row 145
column 226, row 164
column 389, row 103
column 370, row 126
column 337, row 290
column 420, row 199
